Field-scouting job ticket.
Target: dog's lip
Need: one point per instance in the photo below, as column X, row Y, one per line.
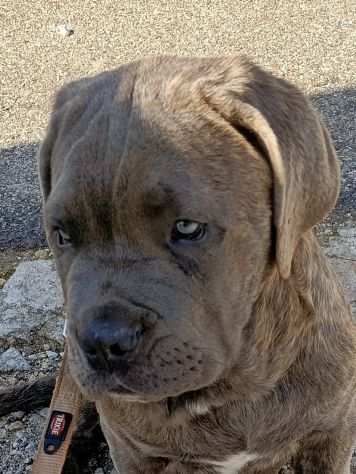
column 127, row 395
column 120, row 389
column 124, row 393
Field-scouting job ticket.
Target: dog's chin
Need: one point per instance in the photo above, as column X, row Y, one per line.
column 96, row 388
column 95, row 391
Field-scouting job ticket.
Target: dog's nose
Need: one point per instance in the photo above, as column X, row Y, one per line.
column 106, row 340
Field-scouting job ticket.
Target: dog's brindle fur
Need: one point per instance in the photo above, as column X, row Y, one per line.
column 249, row 357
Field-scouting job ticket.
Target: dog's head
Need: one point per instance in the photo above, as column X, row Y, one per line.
column 171, row 188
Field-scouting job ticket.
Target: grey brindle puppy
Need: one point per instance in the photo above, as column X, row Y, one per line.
column 204, row 320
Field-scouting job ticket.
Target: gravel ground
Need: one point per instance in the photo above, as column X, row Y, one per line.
column 31, row 347
column 19, row 432
column 45, row 44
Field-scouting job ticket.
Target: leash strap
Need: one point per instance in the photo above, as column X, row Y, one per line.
column 61, row 423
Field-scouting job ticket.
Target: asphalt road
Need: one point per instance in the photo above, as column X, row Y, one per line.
column 309, row 43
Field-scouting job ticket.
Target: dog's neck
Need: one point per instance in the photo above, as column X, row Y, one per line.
column 290, row 331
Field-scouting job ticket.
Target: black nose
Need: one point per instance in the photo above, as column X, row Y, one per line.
column 109, row 338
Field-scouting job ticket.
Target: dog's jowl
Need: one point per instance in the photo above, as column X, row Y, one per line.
column 203, row 318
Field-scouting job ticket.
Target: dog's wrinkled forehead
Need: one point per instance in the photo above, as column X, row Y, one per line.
column 149, row 161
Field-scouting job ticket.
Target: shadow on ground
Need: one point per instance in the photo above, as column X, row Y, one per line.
column 20, row 203
column 339, row 111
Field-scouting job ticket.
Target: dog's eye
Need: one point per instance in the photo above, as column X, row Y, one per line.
column 188, row 230
column 63, row 239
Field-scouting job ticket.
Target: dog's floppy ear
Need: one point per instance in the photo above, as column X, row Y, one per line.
column 74, row 107
column 69, row 104
column 280, row 123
